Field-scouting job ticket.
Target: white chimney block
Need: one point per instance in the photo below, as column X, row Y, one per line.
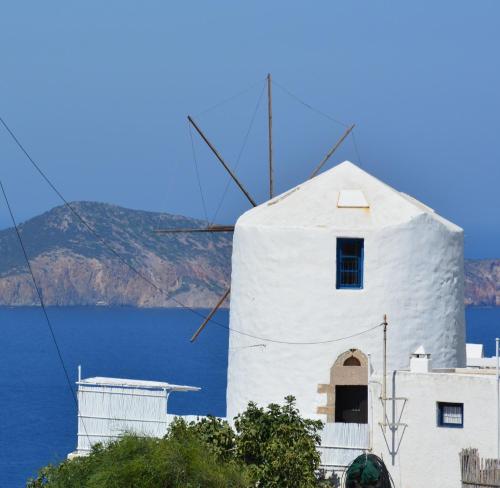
column 420, row 361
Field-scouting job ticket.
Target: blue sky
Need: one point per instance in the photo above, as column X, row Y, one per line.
column 99, row 92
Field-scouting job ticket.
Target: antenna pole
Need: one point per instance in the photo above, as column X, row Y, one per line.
column 270, row 132
column 497, row 343
column 219, row 157
column 384, row 382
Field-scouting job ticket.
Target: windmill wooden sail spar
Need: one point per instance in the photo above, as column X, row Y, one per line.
column 329, row 154
column 230, row 228
column 210, row 228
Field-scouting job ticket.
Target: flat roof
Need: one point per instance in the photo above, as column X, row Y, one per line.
column 468, row 371
column 129, row 383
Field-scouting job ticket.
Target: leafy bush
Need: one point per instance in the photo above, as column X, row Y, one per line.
column 217, row 434
column 269, row 448
column 135, row 462
column 276, row 443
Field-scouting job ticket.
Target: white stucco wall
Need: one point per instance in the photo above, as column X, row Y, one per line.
column 283, row 288
column 429, row 455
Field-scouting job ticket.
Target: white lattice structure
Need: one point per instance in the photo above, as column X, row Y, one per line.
column 110, row 407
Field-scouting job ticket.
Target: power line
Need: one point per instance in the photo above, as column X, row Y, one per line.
column 226, row 100
column 307, row 105
column 310, row 343
column 103, row 242
column 87, row 225
column 356, row 147
column 42, row 304
column 238, row 159
column 195, row 162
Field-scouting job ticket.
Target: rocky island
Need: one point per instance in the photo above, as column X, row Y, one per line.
column 73, row 268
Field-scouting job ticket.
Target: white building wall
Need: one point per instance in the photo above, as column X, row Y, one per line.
column 107, row 412
column 429, row 455
column 283, row 288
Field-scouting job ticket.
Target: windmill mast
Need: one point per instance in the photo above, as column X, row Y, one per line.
column 270, row 132
column 212, row 228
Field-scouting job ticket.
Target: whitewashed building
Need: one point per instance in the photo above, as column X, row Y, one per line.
column 326, row 260
column 313, row 273
column 431, row 415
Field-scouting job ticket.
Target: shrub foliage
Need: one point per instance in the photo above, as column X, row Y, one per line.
column 135, row 462
column 278, row 445
column 269, row 448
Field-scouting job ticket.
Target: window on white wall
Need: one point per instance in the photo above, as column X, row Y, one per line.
column 350, row 254
column 450, row 414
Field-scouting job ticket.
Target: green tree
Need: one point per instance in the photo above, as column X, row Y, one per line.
column 216, row 433
column 271, row 447
column 279, row 445
column 135, row 462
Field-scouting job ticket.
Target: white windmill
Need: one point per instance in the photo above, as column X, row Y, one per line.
column 328, row 259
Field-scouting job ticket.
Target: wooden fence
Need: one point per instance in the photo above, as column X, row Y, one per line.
column 477, row 472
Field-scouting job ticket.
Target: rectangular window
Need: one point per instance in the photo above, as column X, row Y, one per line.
column 450, row 414
column 349, row 263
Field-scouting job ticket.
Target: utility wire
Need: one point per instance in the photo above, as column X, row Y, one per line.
column 42, row 304
column 87, row 225
column 113, row 251
column 307, row 105
column 356, row 147
column 195, row 162
column 226, row 100
column 312, row 343
column 238, row 159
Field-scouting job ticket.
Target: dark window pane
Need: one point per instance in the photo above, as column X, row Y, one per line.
column 450, row 414
column 351, row 404
column 349, row 263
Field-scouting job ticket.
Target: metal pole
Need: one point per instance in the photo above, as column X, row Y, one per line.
column 392, row 427
column 384, row 382
column 497, row 341
column 270, row 133
column 370, row 404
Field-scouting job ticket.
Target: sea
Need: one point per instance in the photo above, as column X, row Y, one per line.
column 37, row 408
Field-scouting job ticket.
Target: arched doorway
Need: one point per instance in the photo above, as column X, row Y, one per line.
column 347, row 392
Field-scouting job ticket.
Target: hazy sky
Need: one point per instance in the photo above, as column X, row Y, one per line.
column 99, row 92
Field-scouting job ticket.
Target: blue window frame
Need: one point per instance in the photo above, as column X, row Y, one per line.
column 350, row 262
column 450, row 415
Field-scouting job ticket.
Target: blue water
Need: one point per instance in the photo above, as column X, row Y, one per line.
column 37, row 411
column 483, row 326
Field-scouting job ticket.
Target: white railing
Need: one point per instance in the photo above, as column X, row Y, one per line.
column 341, row 443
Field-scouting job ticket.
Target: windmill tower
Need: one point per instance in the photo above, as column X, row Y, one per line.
column 239, row 184
column 313, row 271
column 324, row 261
